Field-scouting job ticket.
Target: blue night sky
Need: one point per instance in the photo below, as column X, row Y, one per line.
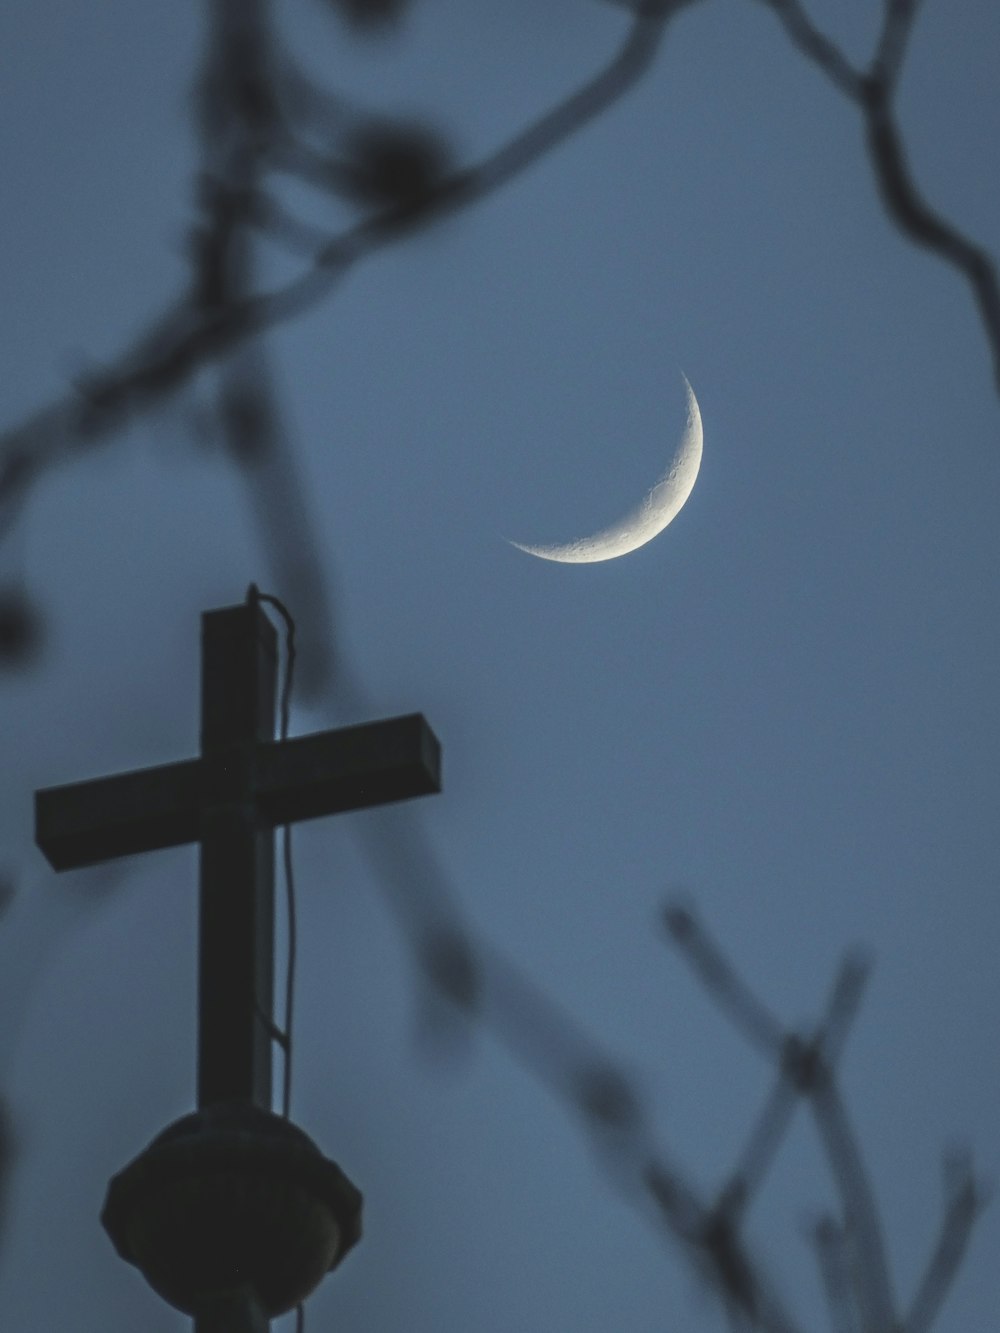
column 785, row 708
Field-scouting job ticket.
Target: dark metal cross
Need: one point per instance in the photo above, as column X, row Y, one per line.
column 229, row 800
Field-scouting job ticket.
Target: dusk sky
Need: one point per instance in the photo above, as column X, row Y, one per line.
column 785, row 709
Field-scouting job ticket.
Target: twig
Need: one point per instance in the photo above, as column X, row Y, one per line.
column 915, row 219
column 872, row 93
column 807, row 1064
column 190, row 334
column 897, row 26
column 8, row 1153
column 817, row 46
column 866, row 1249
column 964, row 1200
column 831, row 1252
column 745, row 1010
column 634, row 58
column 797, row 1068
column 547, row 1042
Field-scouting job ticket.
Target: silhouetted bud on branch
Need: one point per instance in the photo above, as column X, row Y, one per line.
column 246, row 423
column 452, row 968
column 96, row 399
column 721, row 1244
column 679, row 922
column 370, row 15
column 16, row 470
column 802, row 1064
column 396, row 167
column 605, row 1096
column 20, row 629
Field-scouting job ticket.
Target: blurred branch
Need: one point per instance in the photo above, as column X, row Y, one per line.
column 241, row 118
column 852, row 1256
column 796, row 1061
column 805, row 1065
column 867, row 1262
column 712, row 1241
column 633, row 60
column 831, row 1251
column 917, row 220
column 601, row 1096
column 873, row 93
column 755, row 1020
column 964, row 1200
column 237, row 112
column 898, row 19
column 817, row 47
column 483, row 986
column 8, row 1152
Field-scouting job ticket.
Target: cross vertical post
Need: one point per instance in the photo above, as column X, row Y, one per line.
column 236, row 862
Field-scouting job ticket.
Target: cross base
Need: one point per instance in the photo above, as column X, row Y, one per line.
column 228, row 1192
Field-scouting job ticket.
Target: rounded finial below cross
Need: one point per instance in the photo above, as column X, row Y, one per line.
column 232, row 1197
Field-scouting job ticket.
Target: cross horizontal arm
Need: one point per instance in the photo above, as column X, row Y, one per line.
column 347, row 769
column 84, row 823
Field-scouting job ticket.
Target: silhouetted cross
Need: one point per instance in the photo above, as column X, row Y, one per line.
column 230, row 800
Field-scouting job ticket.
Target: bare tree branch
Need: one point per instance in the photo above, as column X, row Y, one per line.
column 842, row 1006
column 915, row 219
column 547, row 1042
column 796, row 1067
column 762, row 1146
column 898, row 19
column 711, row 1239
column 8, row 1154
column 633, row 60
column 831, row 1251
column 237, row 112
column 199, row 329
column 817, row 46
column 745, row 1010
column 807, row 1067
column 853, row 1260
column 964, row 1200
column 863, row 1228
column 873, row 94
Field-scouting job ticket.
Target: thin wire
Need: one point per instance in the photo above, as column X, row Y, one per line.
column 284, row 1036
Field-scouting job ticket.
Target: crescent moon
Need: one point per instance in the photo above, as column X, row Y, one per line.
column 663, row 503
